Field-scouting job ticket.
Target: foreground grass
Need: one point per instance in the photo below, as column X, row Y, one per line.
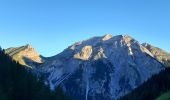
column 165, row 96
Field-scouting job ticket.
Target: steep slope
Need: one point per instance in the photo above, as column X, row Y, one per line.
column 25, row 55
column 156, row 88
column 101, row 68
column 159, row 54
column 18, row 83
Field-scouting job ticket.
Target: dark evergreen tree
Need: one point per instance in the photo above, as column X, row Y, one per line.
column 18, row 83
column 151, row 89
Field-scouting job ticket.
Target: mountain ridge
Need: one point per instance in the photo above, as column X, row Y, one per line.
column 104, row 67
column 99, row 68
column 159, row 54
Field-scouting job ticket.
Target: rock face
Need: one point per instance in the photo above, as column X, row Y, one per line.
column 85, row 53
column 25, row 55
column 159, row 54
column 101, row 68
column 107, row 37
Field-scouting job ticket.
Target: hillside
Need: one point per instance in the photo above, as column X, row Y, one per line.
column 18, row 83
column 152, row 89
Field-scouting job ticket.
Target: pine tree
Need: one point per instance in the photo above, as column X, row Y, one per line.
column 18, row 83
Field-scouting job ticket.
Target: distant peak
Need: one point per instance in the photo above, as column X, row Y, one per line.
column 28, row 46
column 24, row 54
column 107, row 37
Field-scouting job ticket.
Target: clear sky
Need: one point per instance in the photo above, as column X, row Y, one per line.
column 52, row 25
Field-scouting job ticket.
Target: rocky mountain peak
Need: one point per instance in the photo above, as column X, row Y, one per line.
column 25, row 55
column 91, row 48
column 109, row 66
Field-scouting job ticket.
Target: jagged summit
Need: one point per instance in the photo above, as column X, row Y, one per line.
column 100, row 68
column 103, row 39
column 90, row 48
column 25, row 55
column 103, row 68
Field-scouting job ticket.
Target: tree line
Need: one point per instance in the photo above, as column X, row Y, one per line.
column 18, row 83
column 150, row 90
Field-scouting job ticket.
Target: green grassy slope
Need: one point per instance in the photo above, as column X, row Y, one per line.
column 165, row 96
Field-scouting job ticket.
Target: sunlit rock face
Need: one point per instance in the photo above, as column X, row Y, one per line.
column 159, row 54
column 85, row 53
column 101, row 68
column 107, row 37
column 25, row 55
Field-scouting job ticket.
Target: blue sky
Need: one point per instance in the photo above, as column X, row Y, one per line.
column 52, row 25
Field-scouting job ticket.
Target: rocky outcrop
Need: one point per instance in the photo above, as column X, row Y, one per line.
column 107, row 37
column 159, row 54
column 85, row 53
column 25, row 55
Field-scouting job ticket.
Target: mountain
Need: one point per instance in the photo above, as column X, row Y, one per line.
column 156, row 88
column 25, row 55
column 159, row 54
column 101, row 68
column 18, row 83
